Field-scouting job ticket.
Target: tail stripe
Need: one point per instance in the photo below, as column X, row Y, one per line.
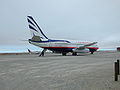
column 30, row 22
column 35, row 24
column 32, row 28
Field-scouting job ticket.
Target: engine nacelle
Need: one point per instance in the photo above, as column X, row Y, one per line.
column 81, row 51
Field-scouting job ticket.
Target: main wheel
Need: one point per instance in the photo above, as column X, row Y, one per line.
column 74, row 54
column 64, row 53
column 92, row 51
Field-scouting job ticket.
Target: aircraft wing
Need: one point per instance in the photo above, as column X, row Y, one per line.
column 86, row 45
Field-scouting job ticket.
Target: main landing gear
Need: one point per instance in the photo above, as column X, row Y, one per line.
column 64, row 53
column 92, row 51
column 74, row 54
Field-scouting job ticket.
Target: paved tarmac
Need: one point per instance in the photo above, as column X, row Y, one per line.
column 56, row 72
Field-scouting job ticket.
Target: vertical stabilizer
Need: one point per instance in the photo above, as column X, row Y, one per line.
column 37, row 34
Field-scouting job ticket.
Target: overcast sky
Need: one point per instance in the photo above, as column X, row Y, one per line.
column 86, row 20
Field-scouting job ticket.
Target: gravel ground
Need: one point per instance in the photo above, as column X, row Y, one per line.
column 56, row 72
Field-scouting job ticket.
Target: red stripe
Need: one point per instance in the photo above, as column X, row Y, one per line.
column 73, row 47
column 59, row 47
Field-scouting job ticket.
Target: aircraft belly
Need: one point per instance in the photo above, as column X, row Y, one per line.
column 60, row 49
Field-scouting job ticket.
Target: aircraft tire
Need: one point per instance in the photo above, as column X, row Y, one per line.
column 64, row 54
column 92, row 52
column 74, row 54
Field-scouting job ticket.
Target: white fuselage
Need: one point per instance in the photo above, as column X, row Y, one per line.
column 65, row 45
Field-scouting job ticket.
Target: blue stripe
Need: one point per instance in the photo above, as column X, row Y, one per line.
column 30, row 22
column 59, row 41
column 31, row 18
column 32, row 28
column 37, row 26
column 51, row 41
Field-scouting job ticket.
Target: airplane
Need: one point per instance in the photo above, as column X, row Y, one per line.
column 57, row 46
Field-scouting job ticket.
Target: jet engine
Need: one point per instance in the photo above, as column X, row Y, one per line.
column 81, row 50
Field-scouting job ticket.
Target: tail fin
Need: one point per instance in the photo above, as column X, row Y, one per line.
column 37, row 33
